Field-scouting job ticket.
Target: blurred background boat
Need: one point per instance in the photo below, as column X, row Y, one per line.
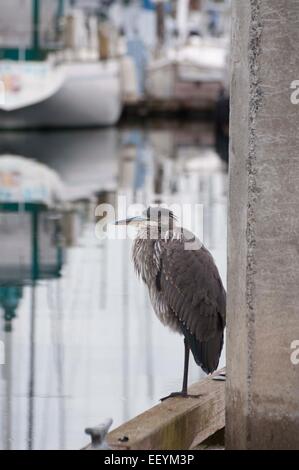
column 192, row 67
column 59, row 67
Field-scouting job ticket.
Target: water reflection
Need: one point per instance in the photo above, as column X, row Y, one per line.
column 85, row 344
column 30, row 251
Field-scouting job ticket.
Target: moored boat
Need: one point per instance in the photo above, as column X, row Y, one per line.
column 69, row 94
column 68, row 75
column 193, row 66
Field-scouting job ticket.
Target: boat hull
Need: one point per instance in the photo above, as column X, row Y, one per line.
column 90, row 95
column 195, row 72
column 171, row 83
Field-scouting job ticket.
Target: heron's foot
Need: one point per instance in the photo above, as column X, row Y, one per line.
column 221, row 377
column 180, row 394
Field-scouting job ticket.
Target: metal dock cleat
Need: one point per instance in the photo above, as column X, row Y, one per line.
column 98, row 435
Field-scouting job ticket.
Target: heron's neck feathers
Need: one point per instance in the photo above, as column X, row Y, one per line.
column 152, row 232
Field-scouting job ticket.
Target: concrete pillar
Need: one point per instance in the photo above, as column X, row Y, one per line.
column 262, row 394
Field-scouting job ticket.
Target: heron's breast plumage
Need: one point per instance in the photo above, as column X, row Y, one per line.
column 147, row 259
column 184, row 285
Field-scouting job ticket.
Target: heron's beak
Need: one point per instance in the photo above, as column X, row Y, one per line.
column 131, row 220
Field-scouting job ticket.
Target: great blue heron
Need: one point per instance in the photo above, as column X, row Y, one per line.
column 184, row 284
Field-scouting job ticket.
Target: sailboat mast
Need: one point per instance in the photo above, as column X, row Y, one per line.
column 35, row 25
column 160, row 11
column 182, row 19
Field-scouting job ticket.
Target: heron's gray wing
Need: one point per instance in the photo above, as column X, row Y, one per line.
column 191, row 285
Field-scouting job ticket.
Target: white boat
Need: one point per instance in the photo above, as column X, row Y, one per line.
column 71, row 94
column 73, row 80
column 180, row 71
column 192, row 67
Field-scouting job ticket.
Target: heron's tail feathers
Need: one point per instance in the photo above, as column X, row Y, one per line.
column 206, row 353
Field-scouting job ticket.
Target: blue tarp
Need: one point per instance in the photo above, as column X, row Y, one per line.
column 148, row 4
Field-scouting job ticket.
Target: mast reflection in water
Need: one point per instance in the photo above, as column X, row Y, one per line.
column 30, row 251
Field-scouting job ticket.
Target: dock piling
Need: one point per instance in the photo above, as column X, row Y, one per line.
column 262, row 406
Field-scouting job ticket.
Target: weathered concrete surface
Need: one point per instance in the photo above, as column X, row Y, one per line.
column 262, row 394
column 176, row 424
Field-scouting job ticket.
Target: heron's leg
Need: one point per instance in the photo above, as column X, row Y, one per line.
column 184, row 393
column 186, row 367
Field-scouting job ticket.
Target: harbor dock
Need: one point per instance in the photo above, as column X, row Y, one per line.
column 178, row 424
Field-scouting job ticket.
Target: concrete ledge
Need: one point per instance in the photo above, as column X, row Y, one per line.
column 176, row 424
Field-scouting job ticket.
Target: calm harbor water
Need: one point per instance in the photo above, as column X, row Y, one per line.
column 86, row 345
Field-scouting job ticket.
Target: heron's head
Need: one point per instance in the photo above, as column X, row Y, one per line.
column 153, row 217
